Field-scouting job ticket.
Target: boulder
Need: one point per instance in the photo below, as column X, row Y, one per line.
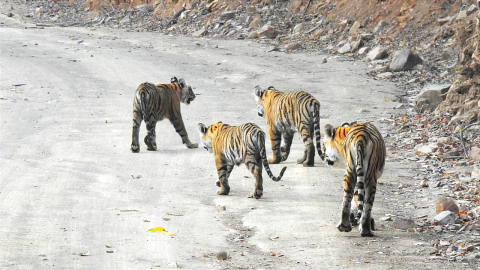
column 293, row 46
column 354, row 29
column 404, row 223
column 377, row 53
column 256, row 23
column 345, row 48
column 404, row 60
column 446, row 204
column 268, row 31
column 431, row 96
column 445, row 218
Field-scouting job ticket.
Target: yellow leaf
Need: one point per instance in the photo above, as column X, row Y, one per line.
column 169, row 234
column 157, row 229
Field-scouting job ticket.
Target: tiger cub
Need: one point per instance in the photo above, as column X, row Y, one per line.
column 286, row 114
column 154, row 103
column 234, row 145
column 362, row 150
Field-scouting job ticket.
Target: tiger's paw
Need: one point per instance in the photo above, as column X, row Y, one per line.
column 151, row 147
column 353, row 219
column 223, row 191
column 192, row 145
column 365, row 230
column 308, row 164
column 135, row 148
column 256, row 195
column 344, row 228
column 273, row 160
column 300, row 160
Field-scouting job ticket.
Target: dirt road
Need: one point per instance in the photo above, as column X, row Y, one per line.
column 69, row 185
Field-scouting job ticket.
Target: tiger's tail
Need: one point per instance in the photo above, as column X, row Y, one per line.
column 316, row 128
column 263, row 156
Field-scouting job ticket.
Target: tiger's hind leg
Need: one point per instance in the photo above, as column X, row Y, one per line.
column 287, row 143
column 137, row 121
column 348, row 188
column 308, row 158
column 367, row 223
column 150, row 139
column 275, row 139
column 254, row 165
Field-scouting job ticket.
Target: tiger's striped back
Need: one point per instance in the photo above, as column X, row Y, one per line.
column 362, row 149
column 234, row 145
column 153, row 103
column 287, row 113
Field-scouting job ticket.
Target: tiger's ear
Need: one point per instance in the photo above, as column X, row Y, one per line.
column 271, row 88
column 181, row 82
column 328, row 130
column 173, row 80
column 258, row 91
column 345, row 124
column 202, row 128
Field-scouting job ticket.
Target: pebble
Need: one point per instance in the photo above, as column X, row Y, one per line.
column 222, row 255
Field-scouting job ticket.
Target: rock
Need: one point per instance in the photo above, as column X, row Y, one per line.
column 227, row 15
column 474, row 153
column 445, row 218
column 324, row 60
column 253, row 35
column 354, row 29
column 377, row 53
column 476, row 172
column 404, row 60
column 268, row 31
column 345, row 48
column 385, row 75
column 256, row 23
column 272, row 48
column 437, row 228
column 199, row 33
column 362, row 50
column 356, row 45
column 222, row 255
column 446, row 204
column 404, row 223
column 431, row 96
column 250, row 9
column 425, row 148
column 293, row 46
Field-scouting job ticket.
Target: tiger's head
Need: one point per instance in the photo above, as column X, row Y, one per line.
column 207, row 134
column 332, row 143
column 260, row 101
column 186, row 93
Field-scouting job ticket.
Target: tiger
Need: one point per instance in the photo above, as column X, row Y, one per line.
column 234, row 145
column 287, row 113
column 154, row 103
column 362, row 149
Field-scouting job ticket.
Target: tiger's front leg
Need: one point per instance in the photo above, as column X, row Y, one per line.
column 150, row 139
column 180, row 129
column 223, row 170
column 276, row 140
column 348, row 188
column 255, row 167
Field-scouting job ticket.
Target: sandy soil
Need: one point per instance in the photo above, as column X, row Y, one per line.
column 69, row 185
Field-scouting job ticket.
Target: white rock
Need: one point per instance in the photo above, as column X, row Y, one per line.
column 445, row 217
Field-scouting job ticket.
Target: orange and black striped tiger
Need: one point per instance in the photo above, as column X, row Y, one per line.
column 287, row 113
column 362, row 150
column 154, row 103
column 234, row 145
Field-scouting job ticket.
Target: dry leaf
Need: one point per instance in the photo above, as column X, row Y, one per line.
column 169, row 234
column 157, row 229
